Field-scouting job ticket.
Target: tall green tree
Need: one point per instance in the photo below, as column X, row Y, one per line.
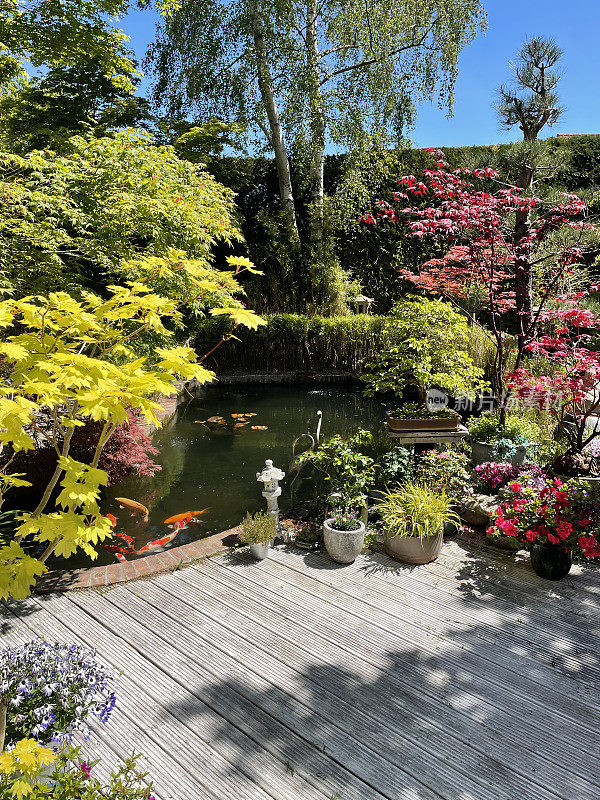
column 43, row 111
column 303, row 75
column 529, row 102
column 49, row 33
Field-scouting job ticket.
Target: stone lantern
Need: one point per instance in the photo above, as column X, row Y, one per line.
column 270, row 477
column 363, row 304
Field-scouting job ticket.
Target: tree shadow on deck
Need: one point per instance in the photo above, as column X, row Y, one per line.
column 8, row 621
column 358, row 708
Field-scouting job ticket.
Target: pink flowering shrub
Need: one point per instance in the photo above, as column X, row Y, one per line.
column 558, row 513
column 492, row 476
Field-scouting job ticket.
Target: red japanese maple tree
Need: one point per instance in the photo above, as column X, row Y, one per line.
column 571, row 394
column 472, row 212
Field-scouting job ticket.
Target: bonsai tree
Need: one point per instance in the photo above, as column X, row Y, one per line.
column 424, row 345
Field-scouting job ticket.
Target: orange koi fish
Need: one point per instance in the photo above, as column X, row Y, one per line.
column 115, row 548
column 260, row 427
column 112, row 519
column 185, row 516
column 125, row 537
column 157, row 543
column 133, row 506
column 120, row 557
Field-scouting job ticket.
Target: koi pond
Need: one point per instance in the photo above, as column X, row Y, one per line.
column 207, row 464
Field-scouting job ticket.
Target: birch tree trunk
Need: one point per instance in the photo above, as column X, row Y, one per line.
column 317, row 129
column 265, row 84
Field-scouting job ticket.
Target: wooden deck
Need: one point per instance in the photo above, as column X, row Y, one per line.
column 295, row 679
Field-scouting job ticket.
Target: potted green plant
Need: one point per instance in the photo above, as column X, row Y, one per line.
column 413, row 519
column 344, row 536
column 413, row 417
column 446, row 469
column 509, row 444
column 340, row 466
column 258, row 531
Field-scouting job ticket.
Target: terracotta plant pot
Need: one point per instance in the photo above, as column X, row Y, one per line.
column 551, row 561
column 481, row 453
column 343, row 546
column 412, row 550
column 400, row 425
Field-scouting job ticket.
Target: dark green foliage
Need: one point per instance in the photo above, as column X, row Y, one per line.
column 579, row 157
column 353, row 184
column 66, row 100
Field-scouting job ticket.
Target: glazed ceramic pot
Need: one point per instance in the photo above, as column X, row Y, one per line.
column 551, row 561
column 482, row 452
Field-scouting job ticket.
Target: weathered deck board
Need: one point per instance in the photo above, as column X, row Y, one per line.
column 296, row 679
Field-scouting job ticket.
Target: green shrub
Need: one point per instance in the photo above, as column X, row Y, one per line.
column 25, row 773
column 258, row 529
column 447, row 470
column 340, row 465
column 425, row 344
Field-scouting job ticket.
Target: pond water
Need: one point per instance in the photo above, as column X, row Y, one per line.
column 217, row 470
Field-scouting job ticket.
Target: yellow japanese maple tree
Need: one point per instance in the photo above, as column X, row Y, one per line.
column 65, row 361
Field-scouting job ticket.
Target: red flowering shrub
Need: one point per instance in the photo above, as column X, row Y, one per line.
column 549, row 511
column 472, row 213
column 571, row 392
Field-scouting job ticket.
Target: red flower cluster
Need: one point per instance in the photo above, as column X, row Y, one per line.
column 554, row 512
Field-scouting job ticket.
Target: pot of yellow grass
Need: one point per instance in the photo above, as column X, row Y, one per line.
column 413, row 519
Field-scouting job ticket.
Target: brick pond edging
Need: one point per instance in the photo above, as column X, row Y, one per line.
column 64, row 580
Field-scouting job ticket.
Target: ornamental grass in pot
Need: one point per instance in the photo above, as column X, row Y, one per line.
column 258, row 531
column 344, row 536
column 553, row 520
column 413, row 519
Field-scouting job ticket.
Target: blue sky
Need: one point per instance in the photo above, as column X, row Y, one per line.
column 575, row 24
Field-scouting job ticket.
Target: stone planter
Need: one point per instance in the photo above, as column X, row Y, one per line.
column 477, row 510
column 260, row 550
column 400, row 425
column 481, row 453
column 343, row 546
column 412, row 550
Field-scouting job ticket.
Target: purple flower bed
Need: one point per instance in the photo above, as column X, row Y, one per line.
column 52, row 691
